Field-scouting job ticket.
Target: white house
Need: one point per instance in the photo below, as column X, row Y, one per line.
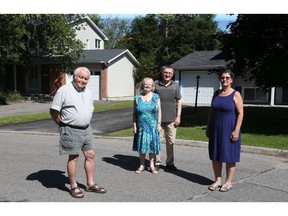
column 196, row 68
column 112, row 70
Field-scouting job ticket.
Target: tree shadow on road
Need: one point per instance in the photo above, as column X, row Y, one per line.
column 52, row 179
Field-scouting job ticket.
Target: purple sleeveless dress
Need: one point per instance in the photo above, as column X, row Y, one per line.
column 223, row 121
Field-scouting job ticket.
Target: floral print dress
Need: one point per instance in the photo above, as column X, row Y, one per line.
column 147, row 138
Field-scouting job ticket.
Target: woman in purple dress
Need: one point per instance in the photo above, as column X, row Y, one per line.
column 223, row 129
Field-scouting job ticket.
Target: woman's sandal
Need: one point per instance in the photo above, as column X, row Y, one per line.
column 214, row 186
column 75, row 194
column 153, row 170
column 225, row 188
column 140, row 169
column 96, row 189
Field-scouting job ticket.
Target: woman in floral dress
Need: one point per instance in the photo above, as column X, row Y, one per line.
column 147, row 124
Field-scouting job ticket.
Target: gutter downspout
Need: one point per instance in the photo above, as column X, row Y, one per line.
column 272, row 96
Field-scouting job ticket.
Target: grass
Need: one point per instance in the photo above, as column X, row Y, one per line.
column 262, row 126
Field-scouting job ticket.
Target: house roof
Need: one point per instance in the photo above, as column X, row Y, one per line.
column 201, row 60
column 88, row 20
column 105, row 56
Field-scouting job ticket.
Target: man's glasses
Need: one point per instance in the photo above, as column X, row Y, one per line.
column 223, row 78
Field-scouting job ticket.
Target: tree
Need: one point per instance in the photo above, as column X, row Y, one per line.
column 115, row 29
column 165, row 38
column 257, row 47
column 25, row 37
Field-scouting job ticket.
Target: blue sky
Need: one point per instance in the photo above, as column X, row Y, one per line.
column 222, row 19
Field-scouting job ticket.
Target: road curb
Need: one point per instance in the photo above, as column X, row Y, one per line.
column 192, row 143
column 202, row 144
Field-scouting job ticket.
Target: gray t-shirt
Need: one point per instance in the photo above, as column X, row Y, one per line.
column 76, row 107
column 168, row 96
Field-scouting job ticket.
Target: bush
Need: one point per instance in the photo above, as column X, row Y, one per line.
column 8, row 97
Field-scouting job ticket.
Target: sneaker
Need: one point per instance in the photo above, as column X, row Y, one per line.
column 157, row 165
column 171, row 168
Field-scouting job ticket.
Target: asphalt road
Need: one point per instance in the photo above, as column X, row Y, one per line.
column 32, row 171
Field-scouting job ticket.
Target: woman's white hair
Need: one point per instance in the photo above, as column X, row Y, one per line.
column 143, row 83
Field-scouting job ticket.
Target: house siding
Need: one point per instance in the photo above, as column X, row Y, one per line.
column 88, row 33
column 120, row 74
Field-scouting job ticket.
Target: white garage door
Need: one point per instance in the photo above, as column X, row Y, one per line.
column 208, row 83
column 93, row 84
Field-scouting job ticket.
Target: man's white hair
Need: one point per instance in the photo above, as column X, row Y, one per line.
column 77, row 70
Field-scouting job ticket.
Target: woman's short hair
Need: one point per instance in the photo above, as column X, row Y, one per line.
column 225, row 70
column 143, row 82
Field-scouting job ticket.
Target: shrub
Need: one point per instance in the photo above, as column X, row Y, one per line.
column 8, row 97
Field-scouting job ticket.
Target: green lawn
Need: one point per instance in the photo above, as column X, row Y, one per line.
column 262, row 126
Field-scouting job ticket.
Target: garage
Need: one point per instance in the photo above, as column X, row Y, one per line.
column 94, row 84
column 199, row 63
column 208, row 84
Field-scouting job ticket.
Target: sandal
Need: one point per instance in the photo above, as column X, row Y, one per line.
column 140, row 169
column 214, row 186
column 225, row 188
column 153, row 170
column 96, row 189
column 75, row 194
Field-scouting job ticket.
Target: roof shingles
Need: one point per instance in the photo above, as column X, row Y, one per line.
column 201, row 59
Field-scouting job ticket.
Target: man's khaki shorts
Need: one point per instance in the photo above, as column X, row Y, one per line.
column 73, row 141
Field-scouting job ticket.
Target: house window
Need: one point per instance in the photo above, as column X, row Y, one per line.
column 97, row 43
column 252, row 94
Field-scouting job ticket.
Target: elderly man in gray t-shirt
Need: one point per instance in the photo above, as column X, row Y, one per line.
column 171, row 108
column 72, row 110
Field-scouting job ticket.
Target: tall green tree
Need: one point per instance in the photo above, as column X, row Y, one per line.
column 257, row 45
column 28, row 36
column 169, row 37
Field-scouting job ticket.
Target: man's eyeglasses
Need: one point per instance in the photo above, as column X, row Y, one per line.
column 223, row 78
